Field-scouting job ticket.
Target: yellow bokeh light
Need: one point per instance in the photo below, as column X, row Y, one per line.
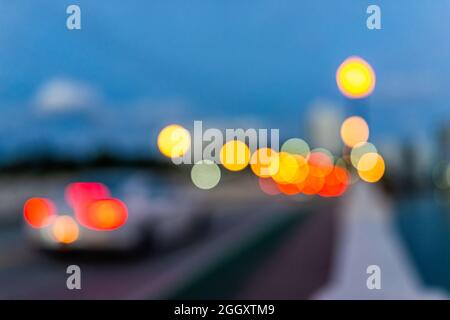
column 367, row 162
column 359, row 150
column 288, row 168
column 235, row 155
column 303, row 169
column 354, row 130
column 174, row 141
column 355, row 78
column 265, row 162
column 371, row 167
column 65, row 229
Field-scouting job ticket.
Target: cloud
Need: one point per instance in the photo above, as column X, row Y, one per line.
column 60, row 95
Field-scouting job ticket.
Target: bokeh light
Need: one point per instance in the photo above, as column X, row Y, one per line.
column 235, row 155
column 355, row 78
column 336, row 183
column 354, row 130
column 316, row 174
column 296, row 146
column 288, row 189
column 80, row 195
column 371, row 167
column 205, row 174
column 320, row 163
column 312, row 184
column 107, row 214
column 174, row 141
column 265, row 162
column 38, row 212
column 302, row 169
column 268, row 186
column 65, row 229
column 359, row 150
column 288, row 168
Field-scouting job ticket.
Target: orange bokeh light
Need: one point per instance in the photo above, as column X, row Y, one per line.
column 312, row 184
column 106, row 214
column 265, row 162
column 354, row 130
column 336, row 183
column 38, row 212
column 371, row 167
column 235, row 155
column 80, row 195
column 65, row 229
column 320, row 164
column 288, row 188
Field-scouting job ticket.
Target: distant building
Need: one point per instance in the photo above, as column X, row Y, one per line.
column 323, row 123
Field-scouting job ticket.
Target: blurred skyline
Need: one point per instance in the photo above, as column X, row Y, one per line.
column 90, row 120
column 136, row 66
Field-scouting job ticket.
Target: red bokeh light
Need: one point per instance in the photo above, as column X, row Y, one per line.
column 312, row 184
column 38, row 212
column 80, row 195
column 288, row 189
column 268, row 186
column 336, row 183
column 320, row 164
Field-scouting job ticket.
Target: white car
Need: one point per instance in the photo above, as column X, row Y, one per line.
column 146, row 218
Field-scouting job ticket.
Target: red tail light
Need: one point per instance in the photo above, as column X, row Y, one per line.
column 81, row 194
column 38, row 212
column 106, row 214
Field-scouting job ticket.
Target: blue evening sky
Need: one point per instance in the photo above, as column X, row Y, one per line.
column 148, row 63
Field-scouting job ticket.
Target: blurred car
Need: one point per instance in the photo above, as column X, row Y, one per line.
column 89, row 219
